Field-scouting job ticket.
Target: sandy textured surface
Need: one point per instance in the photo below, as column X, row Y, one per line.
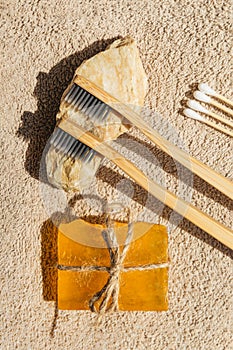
column 181, row 43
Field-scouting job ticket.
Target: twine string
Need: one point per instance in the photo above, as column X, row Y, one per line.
column 111, row 288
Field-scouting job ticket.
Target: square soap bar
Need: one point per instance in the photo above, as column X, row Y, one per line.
column 143, row 279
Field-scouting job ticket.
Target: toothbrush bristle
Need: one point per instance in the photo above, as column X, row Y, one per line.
column 67, row 145
column 82, row 100
column 91, row 106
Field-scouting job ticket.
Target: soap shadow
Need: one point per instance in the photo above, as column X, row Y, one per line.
column 49, row 260
column 36, row 127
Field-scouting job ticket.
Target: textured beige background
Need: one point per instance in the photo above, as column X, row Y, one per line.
column 181, row 43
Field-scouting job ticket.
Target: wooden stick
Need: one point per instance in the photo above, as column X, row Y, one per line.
column 196, row 106
column 221, row 107
column 217, row 127
column 201, row 96
column 188, row 112
column 197, row 167
column 224, row 99
column 221, row 119
column 196, row 216
column 204, row 87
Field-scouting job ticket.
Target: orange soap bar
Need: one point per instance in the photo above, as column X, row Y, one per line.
column 143, row 283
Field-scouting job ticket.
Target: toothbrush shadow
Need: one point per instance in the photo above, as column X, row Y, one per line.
column 173, row 168
column 142, row 197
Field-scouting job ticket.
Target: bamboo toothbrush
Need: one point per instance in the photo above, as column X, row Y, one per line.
column 69, row 137
column 92, row 100
column 196, row 106
column 209, row 91
column 78, row 96
column 200, row 96
column 190, row 113
column 196, row 216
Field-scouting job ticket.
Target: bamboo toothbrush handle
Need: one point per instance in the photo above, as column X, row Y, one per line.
column 196, row 216
column 218, row 127
column 221, row 119
column 206, row 173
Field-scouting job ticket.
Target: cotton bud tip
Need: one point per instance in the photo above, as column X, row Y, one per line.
column 192, row 114
column 206, row 89
column 200, row 96
column 197, row 106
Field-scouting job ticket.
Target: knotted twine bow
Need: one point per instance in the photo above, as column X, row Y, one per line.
column 111, row 288
column 110, row 292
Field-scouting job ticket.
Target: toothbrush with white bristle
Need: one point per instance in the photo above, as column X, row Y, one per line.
column 196, row 106
column 209, row 91
column 200, row 96
column 196, row 116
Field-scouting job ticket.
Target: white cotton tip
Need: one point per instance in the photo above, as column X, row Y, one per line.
column 200, row 96
column 206, row 89
column 197, row 106
column 192, row 114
